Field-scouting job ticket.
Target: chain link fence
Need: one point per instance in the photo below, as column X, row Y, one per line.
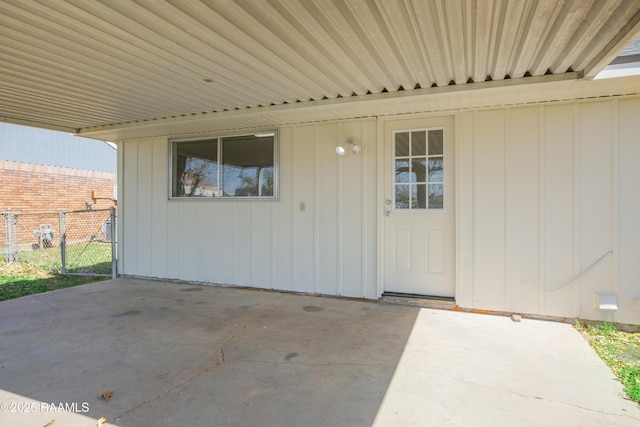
column 75, row 242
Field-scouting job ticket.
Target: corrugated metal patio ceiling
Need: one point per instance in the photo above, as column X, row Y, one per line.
column 115, row 68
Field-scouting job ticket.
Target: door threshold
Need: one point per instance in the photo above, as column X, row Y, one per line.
column 423, row 301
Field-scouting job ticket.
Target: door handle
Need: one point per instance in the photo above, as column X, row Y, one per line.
column 388, row 211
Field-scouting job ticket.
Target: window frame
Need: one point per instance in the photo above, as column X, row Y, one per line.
column 427, row 156
column 219, row 138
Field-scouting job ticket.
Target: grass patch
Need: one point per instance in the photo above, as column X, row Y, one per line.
column 18, row 279
column 82, row 258
column 620, row 351
column 42, row 259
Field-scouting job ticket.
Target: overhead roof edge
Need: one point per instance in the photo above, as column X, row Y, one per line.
column 627, row 34
column 162, row 126
column 39, row 125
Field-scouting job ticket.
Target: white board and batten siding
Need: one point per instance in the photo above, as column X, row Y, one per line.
column 547, row 212
column 549, row 209
column 319, row 237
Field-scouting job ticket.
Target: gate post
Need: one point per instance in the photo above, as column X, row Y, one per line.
column 112, row 225
column 63, row 242
column 11, row 256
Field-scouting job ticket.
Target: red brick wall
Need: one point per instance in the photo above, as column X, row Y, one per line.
column 28, row 188
column 32, row 190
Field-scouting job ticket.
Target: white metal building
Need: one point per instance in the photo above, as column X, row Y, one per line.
column 481, row 159
column 43, row 147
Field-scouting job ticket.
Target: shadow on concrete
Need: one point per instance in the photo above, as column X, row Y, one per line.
column 175, row 354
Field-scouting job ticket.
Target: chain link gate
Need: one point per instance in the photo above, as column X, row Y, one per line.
column 74, row 242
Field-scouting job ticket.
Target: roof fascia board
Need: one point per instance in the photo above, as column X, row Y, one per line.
column 95, row 132
column 39, row 125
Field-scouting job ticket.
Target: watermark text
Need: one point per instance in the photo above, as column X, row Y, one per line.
column 26, row 407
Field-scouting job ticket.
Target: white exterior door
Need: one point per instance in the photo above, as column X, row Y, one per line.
column 419, row 252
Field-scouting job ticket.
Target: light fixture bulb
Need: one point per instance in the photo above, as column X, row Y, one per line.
column 350, row 145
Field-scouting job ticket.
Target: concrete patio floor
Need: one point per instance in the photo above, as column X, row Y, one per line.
column 188, row 355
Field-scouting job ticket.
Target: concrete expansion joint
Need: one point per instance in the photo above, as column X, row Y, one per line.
column 526, row 396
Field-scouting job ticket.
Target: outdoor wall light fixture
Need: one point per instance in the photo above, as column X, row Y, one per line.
column 350, row 145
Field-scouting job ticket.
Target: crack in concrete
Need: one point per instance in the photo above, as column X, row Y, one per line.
column 526, row 396
column 55, row 310
column 222, row 359
column 163, row 394
column 185, row 382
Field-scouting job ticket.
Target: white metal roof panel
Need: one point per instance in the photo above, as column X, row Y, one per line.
column 84, row 65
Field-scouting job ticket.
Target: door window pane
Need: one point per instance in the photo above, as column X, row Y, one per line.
column 419, row 170
column 436, row 139
column 436, row 196
column 402, row 197
column 402, row 171
column 402, row 144
column 419, row 196
column 419, row 143
column 436, row 169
